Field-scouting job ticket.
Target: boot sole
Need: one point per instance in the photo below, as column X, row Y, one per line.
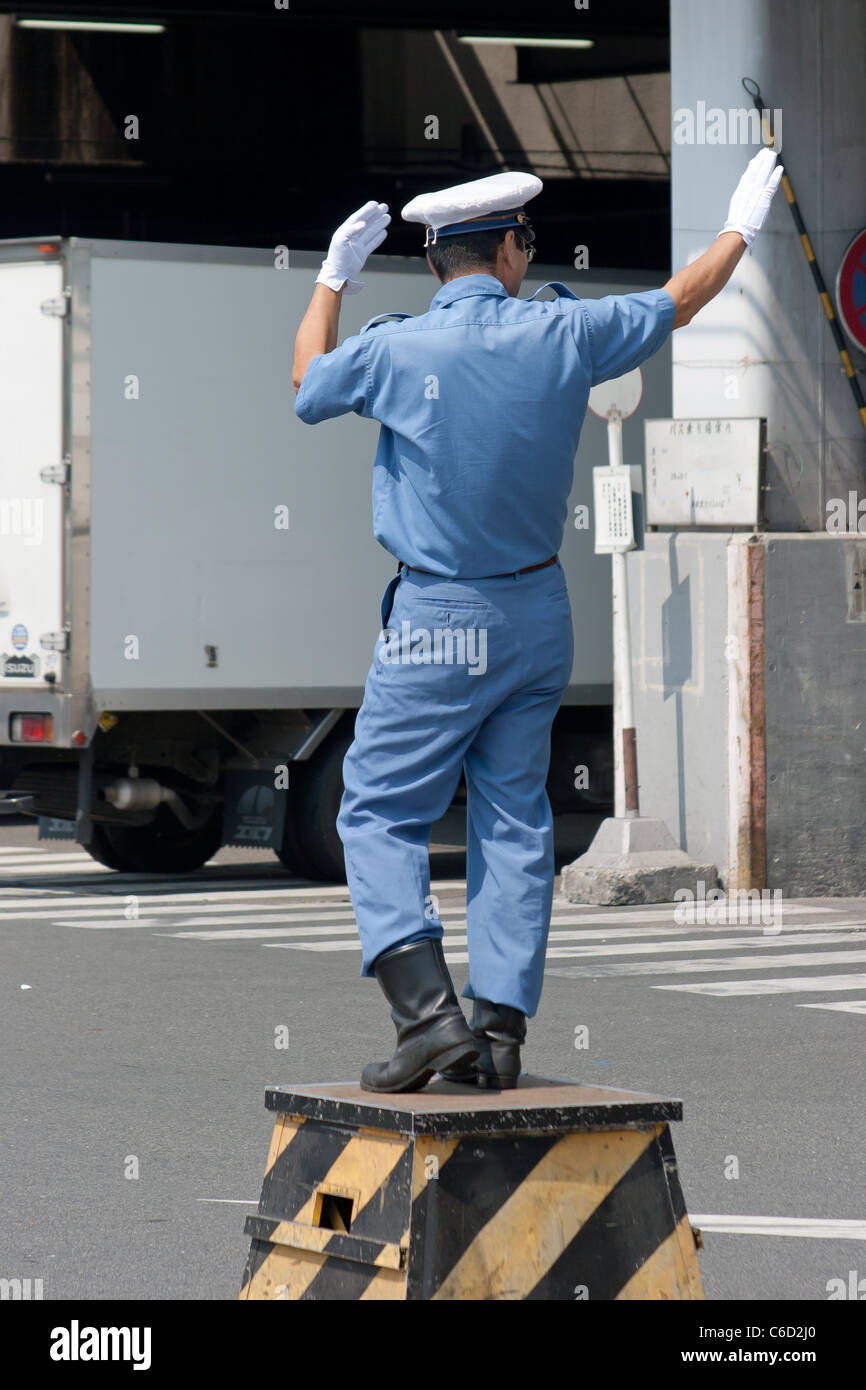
column 463, row 1052
column 485, row 1082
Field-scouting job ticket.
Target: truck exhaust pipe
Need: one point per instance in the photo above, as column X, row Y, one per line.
column 146, row 794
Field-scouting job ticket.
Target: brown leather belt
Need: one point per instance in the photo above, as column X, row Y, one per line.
column 528, row 570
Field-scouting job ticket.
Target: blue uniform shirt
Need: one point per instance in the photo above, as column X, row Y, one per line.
column 481, row 402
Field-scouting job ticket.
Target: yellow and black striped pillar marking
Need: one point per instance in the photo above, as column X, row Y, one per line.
column 552, row 1191
column 308, row 1245
column 811, row 258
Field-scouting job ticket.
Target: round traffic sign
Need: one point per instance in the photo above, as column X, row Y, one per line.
column 851, row 290
column 619, row 398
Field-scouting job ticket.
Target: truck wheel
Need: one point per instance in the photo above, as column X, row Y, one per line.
column 291, row 853
column 581, row 739
column 162, row 847
column 100, row 850
column 324, row 791
column 316, row 803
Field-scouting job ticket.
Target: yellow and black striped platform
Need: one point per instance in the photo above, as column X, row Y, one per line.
column 550, row 1191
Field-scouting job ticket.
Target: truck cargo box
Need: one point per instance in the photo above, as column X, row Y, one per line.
column 173, row 539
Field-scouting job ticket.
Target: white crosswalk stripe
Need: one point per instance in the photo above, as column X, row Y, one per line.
column 779, row 986
column 56, row 868
column 847, row 1006
column 255, row 904
column 47, row 860
column 804, row 1226
column 692, row 967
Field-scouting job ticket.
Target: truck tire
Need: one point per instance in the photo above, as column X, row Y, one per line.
column 291, row 853
column 162, row 847
column 581, row 738
column 323, row 791
column 100, row 850
column 311, row 845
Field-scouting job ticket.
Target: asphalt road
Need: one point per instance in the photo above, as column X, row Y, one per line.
column 138, row 1031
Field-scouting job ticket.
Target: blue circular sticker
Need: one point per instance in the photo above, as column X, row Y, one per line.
column 19, row 636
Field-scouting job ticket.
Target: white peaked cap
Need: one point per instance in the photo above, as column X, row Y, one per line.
column 481, row 204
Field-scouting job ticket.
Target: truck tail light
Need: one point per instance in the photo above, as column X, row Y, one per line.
column 31, row 728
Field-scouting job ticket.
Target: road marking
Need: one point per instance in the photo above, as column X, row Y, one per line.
column 803, row 984
column 305, row 910
column 38, row 902
column 234, row 888
column 555, row 952
column 230, row 1201
column 456, row 934
column 847, row 1006
column 49, row 859
column 646, row 948
column 815, row 1229
column 259, row 933
column 244, row 924
column 567, row 914
column 119, row 924
column 674, row 932
column 694, row 967
column 316, row 946
column 109, row 905
column 650, row 914
column 220, row 911
column 56, row 870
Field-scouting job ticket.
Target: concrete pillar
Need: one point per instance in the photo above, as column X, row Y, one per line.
column 749, row 662
column 763, row 346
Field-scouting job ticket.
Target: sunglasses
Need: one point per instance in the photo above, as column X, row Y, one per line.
column 526, row 236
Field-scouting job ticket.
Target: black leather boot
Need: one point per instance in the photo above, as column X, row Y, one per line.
column 499, row 1030
column 432, row 1031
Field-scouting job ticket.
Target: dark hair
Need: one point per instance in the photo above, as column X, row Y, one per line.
column 460, row 255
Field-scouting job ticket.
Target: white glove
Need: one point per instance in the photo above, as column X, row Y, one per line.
column 753, row 196
column 350, row 246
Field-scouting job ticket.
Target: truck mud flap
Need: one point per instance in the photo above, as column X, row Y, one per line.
column 255, row 810
column 53, row 828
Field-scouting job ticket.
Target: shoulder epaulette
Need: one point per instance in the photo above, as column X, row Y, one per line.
column 562, row 291
column 383, row 318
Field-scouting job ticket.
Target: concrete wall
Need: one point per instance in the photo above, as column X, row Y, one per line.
column 749, row 663
column 750, row 652
column 678, row 614
column 815, row 672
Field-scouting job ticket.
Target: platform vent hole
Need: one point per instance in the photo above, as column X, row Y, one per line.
column 335, row 1213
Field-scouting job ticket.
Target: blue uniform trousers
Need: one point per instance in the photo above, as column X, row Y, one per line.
column 468, row 674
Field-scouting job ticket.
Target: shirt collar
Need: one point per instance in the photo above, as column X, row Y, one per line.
column 465, row 285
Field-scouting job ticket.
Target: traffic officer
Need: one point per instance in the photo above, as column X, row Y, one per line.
column 481, row 402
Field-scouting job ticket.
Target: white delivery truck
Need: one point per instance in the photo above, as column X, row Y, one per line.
column 189, row 585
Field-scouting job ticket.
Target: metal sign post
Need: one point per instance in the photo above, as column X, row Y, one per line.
column 632, row 858
column 615, row 401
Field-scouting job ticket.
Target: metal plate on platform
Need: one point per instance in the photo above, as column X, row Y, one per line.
column 537, row 1103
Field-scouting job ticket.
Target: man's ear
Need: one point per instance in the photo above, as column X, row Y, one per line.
column 432, row 267
column 505, row 252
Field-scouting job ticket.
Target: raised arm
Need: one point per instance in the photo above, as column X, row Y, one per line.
column 698, row 283
column 350, row 246
column 318, row 330
column 701, row 281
